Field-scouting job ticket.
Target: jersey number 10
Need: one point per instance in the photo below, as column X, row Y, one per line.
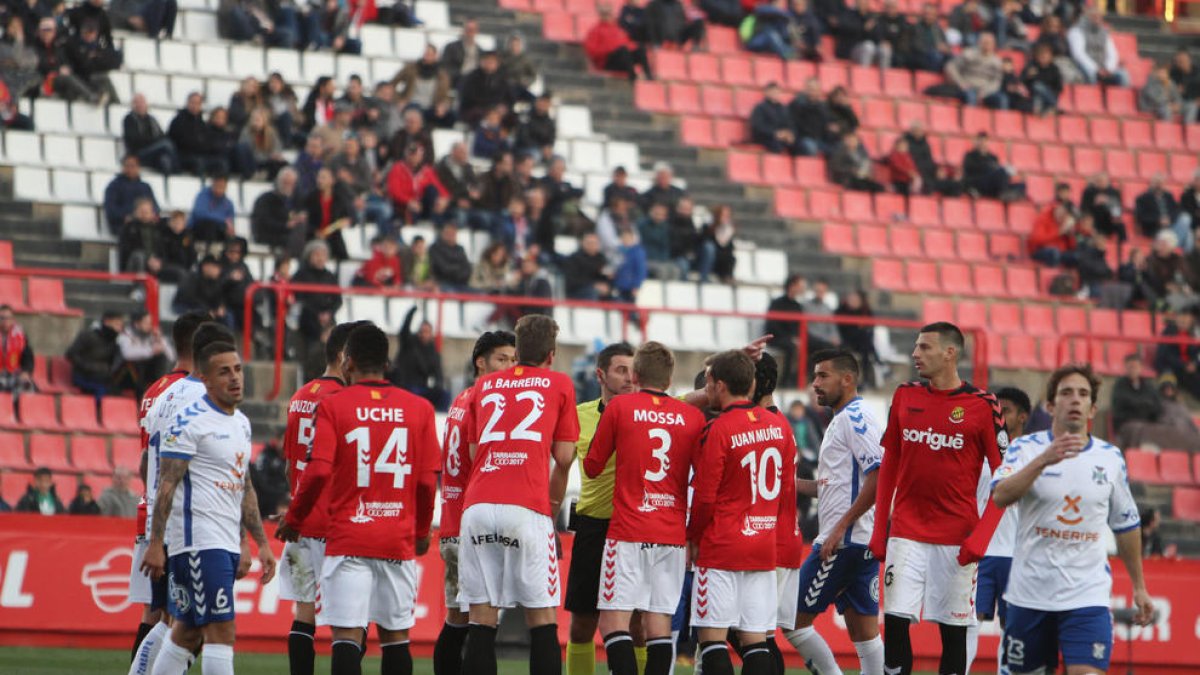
column 393, row 458
column 761, row 471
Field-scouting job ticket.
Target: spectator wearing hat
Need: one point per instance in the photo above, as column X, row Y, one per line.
column 40, row 496
column 16, row 354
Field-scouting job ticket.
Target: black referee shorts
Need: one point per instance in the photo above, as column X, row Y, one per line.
column 583, row 579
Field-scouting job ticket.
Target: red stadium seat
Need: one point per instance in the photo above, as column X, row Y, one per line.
column 1137, row 133
column 89, row 454
column 704, row 67
column 744, row 101
column 888, row 274
column 1168, row 136
column 888, row 207
column 1183, row 166
column 865, row 81
column 936, row 309
column 1136, row 324
column 13, row 486
column 650, row 96
column 906, row 242
column 119, row 415
column 832, row 75
column 12, row 452
column 1056, row 158
column 1086, row 98
column 873, row 241
column 899, row 83
column 1175, row 466
column 13, row 292
column 810, row 171
column 798, row 73
column 60, row 373
column 824, row 204
column 777, row 170
column 879, row 113
column 1150, row 163
column 972, row 314
column 923, row 277
column 989, row 281
column 990, row 215
column 6, row 255
column 858, row 207
column 1021, row 281
column 50, row 451
column 46, row 295
column 1038, row 320
column 1073, row 130
column 684, row 98
column 1039, row 188
column 944, row 118
column 956, row 212
column 1004, row 318
column 722, row 39
column 1010, row 124
column 975, row 120
column 1120, row 164
column 1115, row 354
column 1105, row 131
column 972, row 246
column 839, row 238
column 1021, row 351
column 744, row 167
column 670, row 65
column 729, row 132
column 66, row 486
column 1142, row 466
column 37, row 412
column 1041, row 129
column 1005, row 246
column 1185, row 502
column 1025, row 156
column 718, row 101
column 767, row 71
column 41, row 377
column 939, row 245
column 737, row 71
column 127, row 452
column 1020, row 217
column 8, row 413
column 1048, row 353
column 697, row 131
column 79, row 413
column 956, row 278
column 1121, row 101
column 791, row 203
column 924, row 211
column 557, row 26
column 1103, row 322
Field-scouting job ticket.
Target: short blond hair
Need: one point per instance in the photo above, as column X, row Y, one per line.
column 654, row 365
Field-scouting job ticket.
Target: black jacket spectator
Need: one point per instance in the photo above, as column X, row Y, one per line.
column 86, row 12
column 582, row 272
column 667, row 22
column 448, row 264
column 1151, row 208
column 1104, row 203
column 269, row 218
column 1131, row 403
column 30, row 502
column 922, row 155
column 120, row 196
column 498, row 190
column 94, row 354
column 767, row 118
column 138, row 236
column 418, row 365
column 84, row 503
column 458, row 178
column 849, row 29
column 657, row 194
column 811, row 118
column 190, row 133
column 1189, row 203
column 269, row 475
column 92, row 58
column 140, row 132
column 632, row 20
column 538, row 131
column 843, row 117
column 684, row 238
column 480, row 91
column 312, row 305
column 898, row 31
column 202, row 290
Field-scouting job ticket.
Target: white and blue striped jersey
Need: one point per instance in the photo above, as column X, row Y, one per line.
column 207, row 511
column 179, row 395
column 1060, row 561
column 849, row 451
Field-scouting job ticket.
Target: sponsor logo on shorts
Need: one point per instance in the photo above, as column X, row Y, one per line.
column 481, row 539
column 1098, row 650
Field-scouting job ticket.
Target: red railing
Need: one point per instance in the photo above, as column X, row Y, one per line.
column 626, row 310
column 147, row 280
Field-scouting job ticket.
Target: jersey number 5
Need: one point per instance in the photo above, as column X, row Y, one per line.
column 761, row 470
column 520, row 432
column 393, row 458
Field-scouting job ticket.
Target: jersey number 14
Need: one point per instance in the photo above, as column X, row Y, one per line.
column 392, row 459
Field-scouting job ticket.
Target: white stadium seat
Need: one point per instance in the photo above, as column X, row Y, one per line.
column 140, row 53
column 743, row 272
column 410, row 43
column 318, row 64
column 99, row 180
column 123, row 83
column 348, row 65
column 219, row 91
column 247, row 61
column 22, row 147
column 70, row 185
column 51, row 115
column 369, row 308
column 81, row 222
column 153, row 87
column 200, row 26
column 30, row 183
column 397, row 310
column 770, row 266
column 622, row 154
column 182, row 86
column 385, row 69
column 587, row 156
column 663, row 328
column 89, row 119
column 176, row 57
column 433, row 14
column 181, row 192
column 251, row 191
column 213, row 59
column 574, row 121
column 681, row 295
column 376, row 40
column 286, row 62
column 651, row 294
column 444, row 139
column 696, row 332
column 716, row 297
column 752, row 299
column 61, row 150
column 157, row 183
column 732, row 331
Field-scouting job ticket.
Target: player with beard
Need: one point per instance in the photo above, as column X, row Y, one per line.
column 494, row 351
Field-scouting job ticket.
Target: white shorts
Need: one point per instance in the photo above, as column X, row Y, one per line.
column 360, row 591
column 787, row 583
column 507, row 557
column 734, row 599
column 139, row 584
column 645, row 577
column 925, row 581
column 449, row 550
column 300, row 569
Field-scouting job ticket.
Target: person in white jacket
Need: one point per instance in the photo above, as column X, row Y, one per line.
column 1095, row 52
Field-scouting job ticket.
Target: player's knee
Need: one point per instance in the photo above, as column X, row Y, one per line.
column 219, row 633
column 583, row 626
column 805, row 620
column 305, row 612
column 457, row 618
column 541, row 616
column 387, row 636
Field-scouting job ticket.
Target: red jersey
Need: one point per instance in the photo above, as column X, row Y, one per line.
column 659, row 436
column 456, row 465
column 934, row 448
column 376, row 445
column 152, row 393
column 747, row 455
column 297, row 444
column 516, row 417
column 789, row 545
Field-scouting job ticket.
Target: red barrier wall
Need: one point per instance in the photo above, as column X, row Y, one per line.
column 63, row 581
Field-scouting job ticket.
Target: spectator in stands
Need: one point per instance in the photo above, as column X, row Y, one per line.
column 176, row 254
column 812, row 119
column 415, row 190
column 117, row 500
column 144, row 138
column 654, row 234
column 94, row 354
column 667, row 22
column 768, row 30
column 137, row 240
column 354, row 98
column 1091, row 263
column 619, row 186
column 1152, row 541
column 384, row 269
column 612, row 219
column 456, row 174
column 843, row 119
column 464, row 54
column 318, row 106
column 491, row 274
column 985, row 176
column 1013, row 87
column 10, row 115
column 330, row 209
column 975, row 76
column 1176, row 416
column 1181, row 360
column 277, row 218
column 212, row 214
column 418, row 364
column 518, row 68
column 424, row 81
column 155, row 18
column 784, row 334
column 903, row 176
column 123, row 193
column 1009, row 26
column 146, row 353
column 516, row 231
column 848, row 24
column 1043, row 80
column 353, row 167
column 190, row 135
column 562, row 198
column 1160, row 97
column 968, row 21
column 308, row 164
column 414, row 130
column 268, row 474
column 632, row 20
column 54, row 65
column 538, row 130
column 264, row 143
column 1053, row 35
column 935, row 177
column 1189, row 201
column 715, row 255
column 338, row 130
column 1052, row 241
column 892, row 36
column 930, row 48
column 1134, row 399
column 821, row 303
column 1167, row 272
column 723, row 12
column 806, row 31
column 243, row 101
column 40, row 496
column 448, row 262
column 1094, row 51
column 684, row 239
column 281, row 100
column 317, row 310
column 523, row 172
column 859, row 338
column 83, row 504
column 224, row 141
column 499, row 185
column 1102, row 200
column 330, row 25
column 542, row 226
column 586, row 270
column 203, row 291
column 16, row 354
column 662, row 191
column 771, row 123
column 246, row 20
column 91, row 57
column 491, row 136
column 631, row 268
column 532, row 282
column 1187, row 80
column 482, row 89
column 609, row 48
column 851, row 167
column 236, row 277
column 1156, row 209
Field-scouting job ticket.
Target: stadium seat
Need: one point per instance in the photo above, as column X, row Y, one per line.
column 906, row 242
column 1136, row 133
column 879, row 113
column 832, row 75
column 972, row 314
column 1021, row 351
column 839, row 238
column 956, row 212
column 873, row 241
column 1025, row 156
column 718, row 101
column 1105, row 131
column 975, row 120
column 1121, row 101
column 1120, row 164
column 1142, row 466
column 684, row 98
column 1005, row 246
column 6, row 255
column 36, row 411
column 89, row 454
column 899, row 83
column 1175, row 467
column 936, row 309
column 1038, row 320
column 50, row 451
column 12, row 452
column 13, row 485
column 888, row 274
column 743, row 167
column 1073, row 130
column 1103, row 322
column 79, row 413
column 1185, row 503
column 119, row 414
column 1005, row 318
column 60, row 373
column 737, row 71
column 704, row 67
column 923, row 277
column 1150, row 163
column 810, row 171
column 939, row 244
column 1086, row 98
column 944, row 118
column 989, row 281
column 767, row 71
column 670, row 65
column 889, row 207
column 697, row 131
column 858, row 207
column 1021, row 282
column 1010, row 124
column 791, row 203
column 1168, row 136
column 990, row 216
column 777, row 170
column 650, row 96
column 46, row 295
column 956, row 278
column 8, row 413
column 1070, row 319
column 126, row 452
column 1183, row 166
column 41, row 377
column 1021, row 216
column 923, row 211
column 971, row 246
column 1056, row 158
column 1041, row 129
column 865, row 81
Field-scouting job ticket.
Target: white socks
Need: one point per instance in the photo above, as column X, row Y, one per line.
column 972, row 644
column 216, row 660
column 172, row 659
column 870, row 655
column 813, row 648
column 147, row 654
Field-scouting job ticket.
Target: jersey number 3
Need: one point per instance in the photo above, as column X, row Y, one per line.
column 392, row 459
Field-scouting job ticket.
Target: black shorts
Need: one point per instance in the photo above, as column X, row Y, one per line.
column 583, row 579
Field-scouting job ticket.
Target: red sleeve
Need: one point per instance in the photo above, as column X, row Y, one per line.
column 427, row 472
column 320, row 465
column 888, row 470
column 709, row 471
column 567, row 427
column 989, row 439
column 787, row 496
column 603, row 443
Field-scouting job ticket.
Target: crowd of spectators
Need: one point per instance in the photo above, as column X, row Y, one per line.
column 41, row 497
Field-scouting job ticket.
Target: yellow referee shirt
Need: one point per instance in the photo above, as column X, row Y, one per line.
column 595, row 494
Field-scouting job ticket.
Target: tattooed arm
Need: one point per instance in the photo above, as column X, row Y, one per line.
column 252, row 522
column 170, row 473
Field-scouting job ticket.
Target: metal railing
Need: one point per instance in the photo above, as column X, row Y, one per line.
column 147, row 280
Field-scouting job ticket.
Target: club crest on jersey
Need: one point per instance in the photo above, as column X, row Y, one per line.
column 958, row 415
column 1099, row 475
column 360, row 514
column 1071, row 506
column 1002, row 440
column 750, row 414
column 376, row 396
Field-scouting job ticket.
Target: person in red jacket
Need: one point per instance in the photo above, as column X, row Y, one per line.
column 902, row 170
column 414, row 187
column 1052, row 240
column 384, row 269
column 609, row 48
